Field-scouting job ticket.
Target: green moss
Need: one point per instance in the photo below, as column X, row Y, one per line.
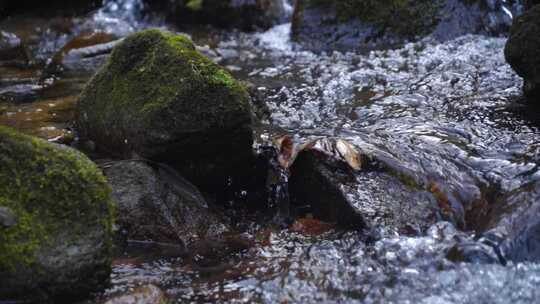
column 51, row 190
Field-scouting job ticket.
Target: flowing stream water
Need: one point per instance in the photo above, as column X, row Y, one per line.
column 444, row 113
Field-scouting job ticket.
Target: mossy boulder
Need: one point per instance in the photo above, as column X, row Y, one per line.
column 522, row 51
column 56, row 213
column 158, row 98
column 370, row 196
column 368, row 24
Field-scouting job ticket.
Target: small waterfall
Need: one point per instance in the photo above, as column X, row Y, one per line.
column 277, row 184
column 288, row 7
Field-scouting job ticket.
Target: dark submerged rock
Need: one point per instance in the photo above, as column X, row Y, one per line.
column 357, row 24
column 156, row 203
column 159, row 98
column 56, row 212
column 522, row 51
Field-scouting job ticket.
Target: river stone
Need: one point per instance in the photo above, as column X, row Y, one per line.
column 159, row 98
column 323, row 25
column 60, row 244
column 371, row 198
column 246, row 15
column 522, row 51
column 155, row 203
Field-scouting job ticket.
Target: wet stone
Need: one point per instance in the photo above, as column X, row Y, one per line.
column 155, row 203
column 365, row 25
column 370, row 198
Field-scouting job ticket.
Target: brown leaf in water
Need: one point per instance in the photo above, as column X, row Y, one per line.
column 310, row 227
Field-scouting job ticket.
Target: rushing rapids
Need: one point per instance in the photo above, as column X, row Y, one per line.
column 445, row 117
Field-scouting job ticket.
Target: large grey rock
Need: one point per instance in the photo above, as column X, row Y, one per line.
column 156, row 203
column 323, row 25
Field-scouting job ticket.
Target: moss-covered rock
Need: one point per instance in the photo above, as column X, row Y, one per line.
column 522, row 51
column 159, row 98
column 56, row 240
column 366, row 24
